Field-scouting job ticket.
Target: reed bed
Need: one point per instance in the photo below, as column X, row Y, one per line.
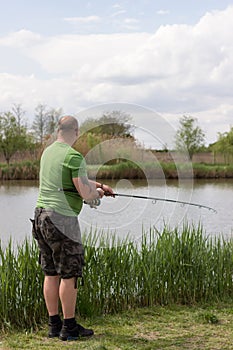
column 26, row 170
column 168, row 267
column 29, row 170
column 152, row 170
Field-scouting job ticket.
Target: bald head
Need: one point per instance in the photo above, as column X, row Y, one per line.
column 67, row 123
column 67, row 129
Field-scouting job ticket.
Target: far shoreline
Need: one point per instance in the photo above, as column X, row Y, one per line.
column 29, row 170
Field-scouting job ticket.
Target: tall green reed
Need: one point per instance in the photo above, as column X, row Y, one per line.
column 22, row 301
column 173, row 266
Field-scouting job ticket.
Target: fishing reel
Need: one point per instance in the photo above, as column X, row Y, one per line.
column 94, row 203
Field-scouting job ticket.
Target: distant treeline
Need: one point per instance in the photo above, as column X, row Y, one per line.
column 102, row 138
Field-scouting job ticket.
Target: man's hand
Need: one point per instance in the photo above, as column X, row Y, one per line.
column 108, row 191
column 100, row 191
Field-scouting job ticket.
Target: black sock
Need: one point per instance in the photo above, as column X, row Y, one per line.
column 54, row 319
column 69, row 322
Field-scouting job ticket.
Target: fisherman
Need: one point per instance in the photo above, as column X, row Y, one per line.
column 56, row 227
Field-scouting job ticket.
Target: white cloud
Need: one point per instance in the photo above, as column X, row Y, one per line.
column 117, row 6
column 118, row 13
column 87, row 19
column 82, row 54
column 178, row 69
column 131, row 20
column 162, row 12
column 20, row 39
column 127, row 24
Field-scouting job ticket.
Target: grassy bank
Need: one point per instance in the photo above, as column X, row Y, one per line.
column 29, row 170
column 26, row 170
column 167, row 268
column 130, row 170
column 171, row 328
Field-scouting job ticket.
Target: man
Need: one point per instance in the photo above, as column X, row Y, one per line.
column 63, row 186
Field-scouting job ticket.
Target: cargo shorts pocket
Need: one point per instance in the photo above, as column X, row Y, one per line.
column 34, row 233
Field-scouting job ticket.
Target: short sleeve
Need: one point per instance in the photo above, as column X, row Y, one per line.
column 77, row 165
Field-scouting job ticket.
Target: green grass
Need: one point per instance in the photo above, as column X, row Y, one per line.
column 172, row 291
column 170, row 327
column 212, row 171
column 166, row 268
column 20, row 286
column 153, row 170
column 133, row 170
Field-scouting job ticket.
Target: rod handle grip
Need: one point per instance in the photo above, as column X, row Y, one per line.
column 109, row 194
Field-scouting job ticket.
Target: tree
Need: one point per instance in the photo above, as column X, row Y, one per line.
column 39, row 123
column 19, row 114
column 224, row 144
column 189, row 136
column 13, row 136
column 53, row 115
column 96, row 131
column 45, row 122
column 114, row 124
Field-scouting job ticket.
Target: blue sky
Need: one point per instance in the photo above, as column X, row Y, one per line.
column 51, row 17
column 172, row 57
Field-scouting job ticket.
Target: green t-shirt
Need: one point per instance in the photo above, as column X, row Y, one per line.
column 59, row 164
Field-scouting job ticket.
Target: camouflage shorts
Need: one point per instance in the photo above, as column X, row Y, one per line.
column 59, row 255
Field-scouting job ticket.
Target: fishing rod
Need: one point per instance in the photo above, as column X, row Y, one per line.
column 96, row 202
column 157, row 199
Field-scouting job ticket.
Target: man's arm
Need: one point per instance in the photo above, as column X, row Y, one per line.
column 86, row 188
column 89, row 189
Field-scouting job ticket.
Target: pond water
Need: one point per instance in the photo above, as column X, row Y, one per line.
column 129, row 215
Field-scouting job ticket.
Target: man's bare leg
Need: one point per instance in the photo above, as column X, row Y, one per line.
column 68, row 297
column 51, row 294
